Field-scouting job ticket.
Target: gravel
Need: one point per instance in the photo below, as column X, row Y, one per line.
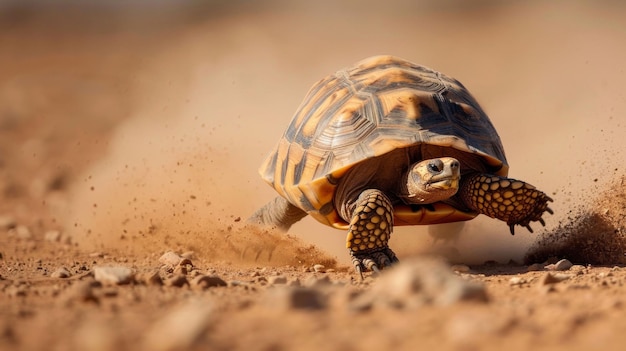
column 416, row 282
column 61, row 273
column 173, row 259
column 181, row 327
column 295, row 298
column 113, row 275
column 207, row 281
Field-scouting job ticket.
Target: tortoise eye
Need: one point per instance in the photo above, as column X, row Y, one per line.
column 435, row 166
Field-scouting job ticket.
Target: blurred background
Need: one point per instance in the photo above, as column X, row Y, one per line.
column 149, row 119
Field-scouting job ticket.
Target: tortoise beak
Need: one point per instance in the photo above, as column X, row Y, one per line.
column 445, row 184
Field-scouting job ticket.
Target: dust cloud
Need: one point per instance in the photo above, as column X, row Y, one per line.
column 211, row 101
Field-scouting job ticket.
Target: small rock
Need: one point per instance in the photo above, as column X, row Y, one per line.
column 207, row 281
column 234, row 283
column 21, row 232
column 416, row 282
column 96, row 255
column 319, row 268
column 180, row 328
column 316, row 282
column 276, row 280
column 61, row 273
column 177, row 280
column 550, row 278
column 113, row 275
column 181, row 269
column 110, row 292
column 150, row 278
column 173, row 259
column 535, row 267
column 517, row 281
column 53, row 236
column 561, row 265
column 289, row 298
column 7, row 222
column 81, row 291
column 294, row 282
column 460, row 268
column 94, row 334
column 17, row 291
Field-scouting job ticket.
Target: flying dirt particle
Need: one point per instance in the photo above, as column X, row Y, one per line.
column 594, row 233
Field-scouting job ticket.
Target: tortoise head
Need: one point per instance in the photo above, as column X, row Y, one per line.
column 432, row 180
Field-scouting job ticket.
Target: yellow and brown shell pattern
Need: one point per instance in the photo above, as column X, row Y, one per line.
column 381, row 104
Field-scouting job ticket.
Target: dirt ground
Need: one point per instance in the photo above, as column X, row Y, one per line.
column 130, row 137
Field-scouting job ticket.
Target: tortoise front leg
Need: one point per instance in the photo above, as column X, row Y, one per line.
column 369, row 232
column 513, row 201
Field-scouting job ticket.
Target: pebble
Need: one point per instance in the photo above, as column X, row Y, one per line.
column 419, row 281
column 277, row 280
column 550, row 278
column 319, row 268
column 460, row 268
column 21, row 232
column 517, row 281
column 93, row 333
column 16, row 291
column 207, row 281
column 113, row 275
column 150, row 278
column 7, row 222
column 535, row 267
column 181, row 327
column 81, row 291
column 53, row 236
column 173, row 259
column 177, row 280
column 561, row 265
column 61, row 273
column 295, row 298
column 316, row 282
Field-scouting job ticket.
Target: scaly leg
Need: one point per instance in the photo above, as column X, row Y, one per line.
column 510, row 200
column 369, row 232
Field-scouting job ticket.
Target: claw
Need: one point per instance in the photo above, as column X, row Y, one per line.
column 359, row 270
column 543, row 223
column 529, row 228
column 512, row 228
column 549, row 210
column 374, row 261
column 369, row 264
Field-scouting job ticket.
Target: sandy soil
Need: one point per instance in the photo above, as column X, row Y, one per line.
column 129, row 132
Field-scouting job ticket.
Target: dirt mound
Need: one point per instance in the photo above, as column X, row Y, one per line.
column 594, row 233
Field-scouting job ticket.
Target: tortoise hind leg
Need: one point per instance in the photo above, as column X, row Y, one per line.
column 513, row 201
column 278, row 213
column 369, row 232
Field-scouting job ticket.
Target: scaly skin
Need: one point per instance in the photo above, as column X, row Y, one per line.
column 369, row 233
column 507, row 199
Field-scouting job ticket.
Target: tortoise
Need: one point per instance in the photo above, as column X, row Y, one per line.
column 388, row 142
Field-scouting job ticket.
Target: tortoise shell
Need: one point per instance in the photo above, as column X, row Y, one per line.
column 379, row 105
